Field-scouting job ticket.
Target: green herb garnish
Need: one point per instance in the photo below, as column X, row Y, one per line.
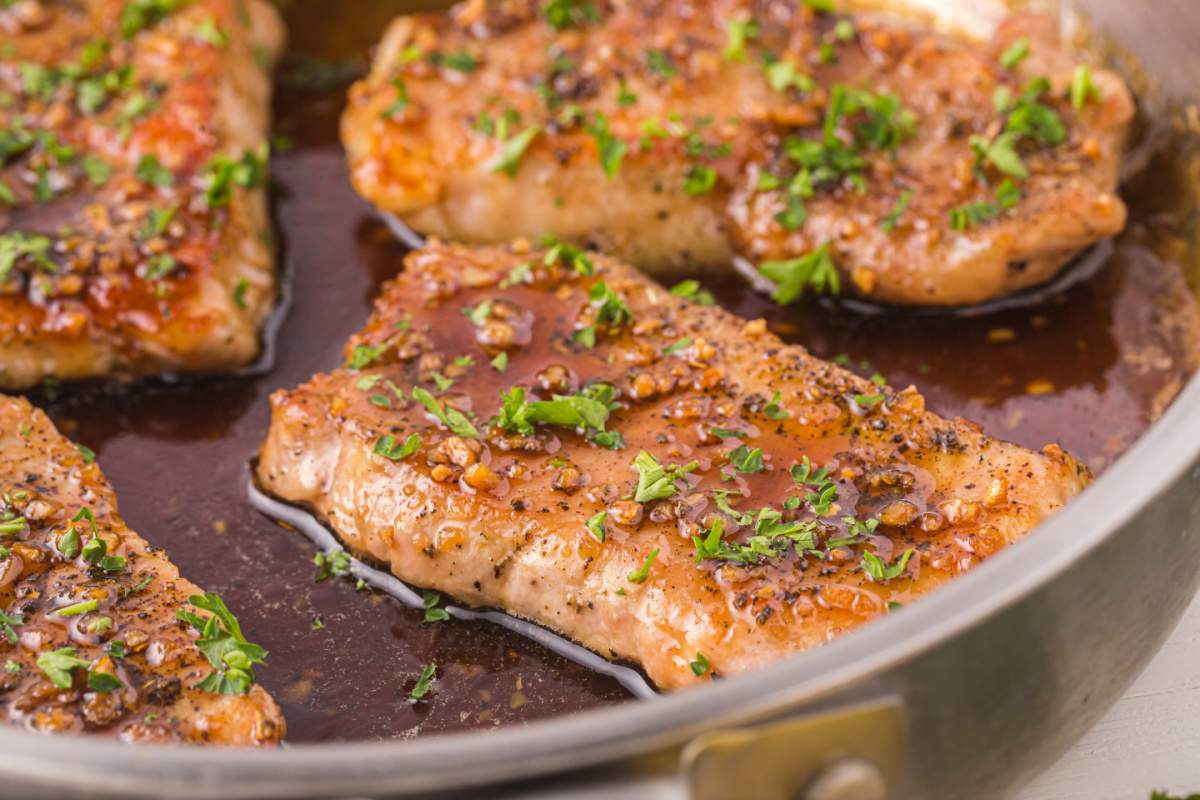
column 222, row 643
column 643, row 572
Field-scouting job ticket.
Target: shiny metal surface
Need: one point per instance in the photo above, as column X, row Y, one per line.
column 998, row 673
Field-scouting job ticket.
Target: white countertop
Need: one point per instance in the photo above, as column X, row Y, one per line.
column 1149, row 740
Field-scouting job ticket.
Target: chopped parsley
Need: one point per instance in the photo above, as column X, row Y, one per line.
column 625, row 97
column 609, row 148
column 563, row 14
column 334, row 564
column 890, row 222
column 587, row 411
column 611, row 307
column 772, row 537
column 433, row 613
column 699, row 665
column 1015, row 53
column 16, row 245
column 1082, row 87
column 656, row 482
column 569, row 256
column 823, row 489
column 137, row 15
column 815, row 271
column 150, row 171
column 508, row 160
column 1001, row 153
column 740, row 31
column 881, row 571
column 362, row 356
column 401, row 102
column 675, row 347
column 660, row 64
column 775, row 411
column 391, row 448
column 97, row 170
column 972, row 214
column 57, row 665
column 595, row 525
column 76, row 609
column 222, row 643
column 692, row 290
column 643, row 572
column 461, row 61
column 209, row 32
column 222, row 173
column 746, row 460
column 424, row 683
column 500, row 362
column 868, row 400
column 7, row 621
column 449, row 416
column 239, row 292
column 699, row 179
column 782, row 75
column 1029, row 118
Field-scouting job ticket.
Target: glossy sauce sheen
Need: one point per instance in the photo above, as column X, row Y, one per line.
column 1089, row 370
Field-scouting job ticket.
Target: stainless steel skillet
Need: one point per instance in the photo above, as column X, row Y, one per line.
column 966, row 694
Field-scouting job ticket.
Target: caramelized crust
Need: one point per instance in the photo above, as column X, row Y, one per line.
column 705, row 131
column 131, row 633
column 510, row 518
column 136, row 238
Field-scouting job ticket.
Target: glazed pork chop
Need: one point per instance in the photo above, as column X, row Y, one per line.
column 551, row 433
column 98, row 631
column 833, row 151
column 134, row 234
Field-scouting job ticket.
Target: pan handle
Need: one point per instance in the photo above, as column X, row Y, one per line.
column 848, row 753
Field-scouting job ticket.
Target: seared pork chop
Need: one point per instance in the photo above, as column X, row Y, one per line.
column 553, row 434
column 90, row 639
column 134, row 234
column 840, row 151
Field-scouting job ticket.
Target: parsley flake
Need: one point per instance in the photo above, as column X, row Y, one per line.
column 643, row 572
column 390, row 448
column 447, row 415
column 222, row 643
column 424, row 683
column 431, row 599
column 656, row 482
column 595, row 525
column 815, row 271
column 881, row 571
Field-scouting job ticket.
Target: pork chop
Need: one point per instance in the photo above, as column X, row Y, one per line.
column 134, row 233
column 906, row 166
column 98, row 631
column 551, row 433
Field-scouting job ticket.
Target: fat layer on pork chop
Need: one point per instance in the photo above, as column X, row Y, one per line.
column 134, row 233
column 99, row 633
column 836, row 152
column 551, row 433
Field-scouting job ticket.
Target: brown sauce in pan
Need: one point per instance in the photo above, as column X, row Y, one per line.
column 1090, row 370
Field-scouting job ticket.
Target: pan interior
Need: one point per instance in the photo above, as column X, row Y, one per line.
column 1090, row 368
